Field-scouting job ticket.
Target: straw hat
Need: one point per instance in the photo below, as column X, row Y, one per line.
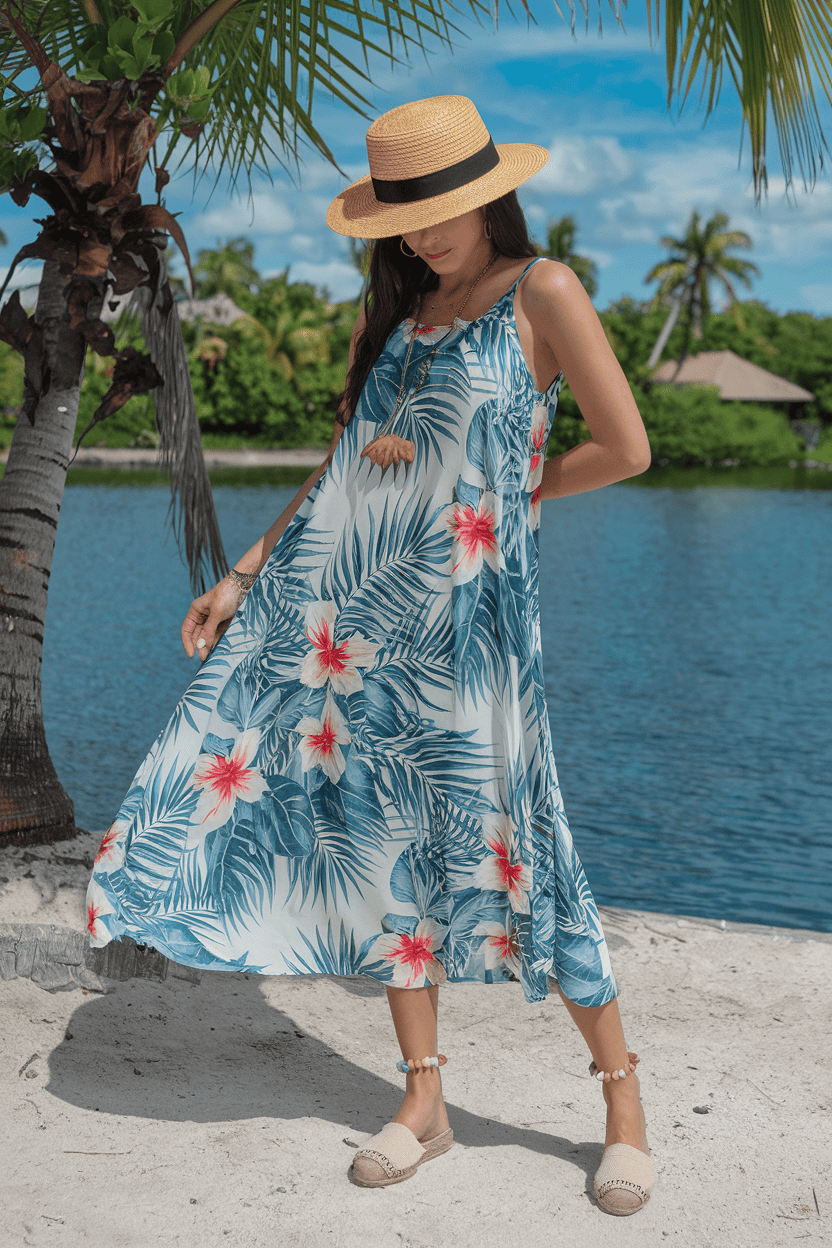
column 429, row 161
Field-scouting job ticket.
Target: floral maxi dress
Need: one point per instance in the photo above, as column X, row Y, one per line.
column 360, row 778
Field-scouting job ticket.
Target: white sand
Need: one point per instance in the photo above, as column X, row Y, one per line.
column 227, row 1113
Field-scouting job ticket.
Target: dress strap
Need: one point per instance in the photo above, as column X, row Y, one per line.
column 531, row 263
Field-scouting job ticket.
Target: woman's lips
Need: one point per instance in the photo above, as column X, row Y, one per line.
column 437, row 255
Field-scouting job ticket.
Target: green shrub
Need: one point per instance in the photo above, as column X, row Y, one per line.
column 568, row 427
column 823, row 450
column 692, row 425
column 132, row 425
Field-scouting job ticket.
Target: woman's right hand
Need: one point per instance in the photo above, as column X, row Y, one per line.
column 209, row 616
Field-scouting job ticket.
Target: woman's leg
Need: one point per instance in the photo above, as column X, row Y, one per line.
column 601, row 1027
column 414, row 1013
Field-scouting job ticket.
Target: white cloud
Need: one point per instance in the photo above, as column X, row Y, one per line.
column 819, row 297
column 492, row 48
column 704, row 176
column 264, row 213
column 304, row 243
column 581, row 166
column 601, row 258
column 343, row 281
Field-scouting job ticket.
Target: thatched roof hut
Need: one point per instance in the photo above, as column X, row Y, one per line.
column 734, row 377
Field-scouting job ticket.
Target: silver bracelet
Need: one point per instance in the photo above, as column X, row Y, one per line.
column 243, row 580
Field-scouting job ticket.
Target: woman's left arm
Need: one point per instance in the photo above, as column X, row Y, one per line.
column 566, row 324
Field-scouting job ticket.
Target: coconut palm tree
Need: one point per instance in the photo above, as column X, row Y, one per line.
column 228, row 269
column 696, row 260
column 560, row 244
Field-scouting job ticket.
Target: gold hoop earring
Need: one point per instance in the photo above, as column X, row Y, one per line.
column 411, row 255
column 486, row 229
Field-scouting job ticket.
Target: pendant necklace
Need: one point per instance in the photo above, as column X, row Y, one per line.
column 385, row 441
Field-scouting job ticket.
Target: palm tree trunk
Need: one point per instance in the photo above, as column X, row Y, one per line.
column 689, row 300
column 34, row 806
column 667, row 330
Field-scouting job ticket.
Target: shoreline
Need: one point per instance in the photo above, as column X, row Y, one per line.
column 146, row 1114
column 145, row 459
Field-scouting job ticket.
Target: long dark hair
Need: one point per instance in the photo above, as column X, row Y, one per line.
column 396, row 280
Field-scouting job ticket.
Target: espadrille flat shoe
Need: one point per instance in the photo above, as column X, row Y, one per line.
column 394, row 1154
column 624, row 1179
column 626, row 1175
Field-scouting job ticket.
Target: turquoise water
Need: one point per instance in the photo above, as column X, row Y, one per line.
column 688, row 673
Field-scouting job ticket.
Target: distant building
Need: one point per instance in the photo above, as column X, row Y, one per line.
column 735, row 378
column 218, row 310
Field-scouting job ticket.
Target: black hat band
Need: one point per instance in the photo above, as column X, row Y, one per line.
column 409, row 190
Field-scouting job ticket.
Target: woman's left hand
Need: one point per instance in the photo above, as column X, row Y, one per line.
column 389, row 449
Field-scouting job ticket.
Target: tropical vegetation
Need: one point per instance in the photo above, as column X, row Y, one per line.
column 560, row 245
column 90, row 88
column 272, row 377
column 697, row 261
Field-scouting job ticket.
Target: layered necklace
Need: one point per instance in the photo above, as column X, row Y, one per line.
column 385, row 441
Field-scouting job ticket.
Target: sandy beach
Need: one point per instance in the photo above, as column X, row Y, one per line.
column 133, row 459
column 143, row 1113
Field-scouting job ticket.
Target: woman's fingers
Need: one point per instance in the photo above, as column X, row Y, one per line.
column 209, row 616
column 209, row 635
column 194, row 621
column 389, row 449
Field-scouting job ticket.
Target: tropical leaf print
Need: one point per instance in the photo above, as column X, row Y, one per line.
column 324, row 957
column 360, row 778
column 383, row 577
column 479, row 659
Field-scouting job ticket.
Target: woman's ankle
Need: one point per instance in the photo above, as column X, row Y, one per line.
column 424, row 1085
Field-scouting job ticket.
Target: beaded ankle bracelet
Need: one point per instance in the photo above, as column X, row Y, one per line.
column 614, row 1074
column 599, row 1074
column 417, row 1063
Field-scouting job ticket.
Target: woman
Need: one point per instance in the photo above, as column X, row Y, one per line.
column 360, row 780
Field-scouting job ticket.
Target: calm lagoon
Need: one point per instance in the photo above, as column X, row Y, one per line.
column 686, row 644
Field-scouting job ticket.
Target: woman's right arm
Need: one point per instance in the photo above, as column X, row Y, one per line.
column 209, row 615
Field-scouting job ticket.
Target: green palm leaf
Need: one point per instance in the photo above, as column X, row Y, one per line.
column 268, row 61
column 774, row 53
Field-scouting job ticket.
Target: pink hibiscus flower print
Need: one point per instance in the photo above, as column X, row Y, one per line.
column 540, row 417
column 503, row 869
column 322, row 740
column 98, row 904
column 413, row 958
column 429, row 335
column 339, row 662
column 500, row 947
column 474, row 532
column 111, row 850
column 224, row 780
column 534, row 508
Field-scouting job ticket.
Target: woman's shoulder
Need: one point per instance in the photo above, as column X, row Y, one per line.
column 547, row 275
column 549, row 286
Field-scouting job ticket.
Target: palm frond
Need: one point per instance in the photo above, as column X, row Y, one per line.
column 771, row 51
column 268, row 61
column 774, row 53
column 193, row 517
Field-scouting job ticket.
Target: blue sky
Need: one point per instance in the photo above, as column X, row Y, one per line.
column 626, row 169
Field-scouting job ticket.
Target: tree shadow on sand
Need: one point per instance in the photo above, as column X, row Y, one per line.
column 176, row 1053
